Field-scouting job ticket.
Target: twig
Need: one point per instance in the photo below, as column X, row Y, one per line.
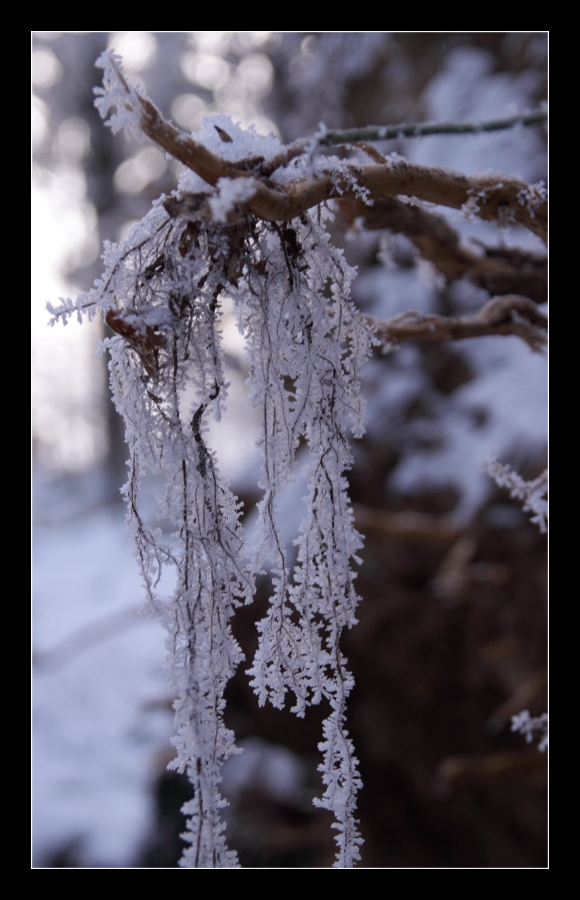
column 453, row 573
column 474, row 769
column 524, row 273
column 391, row 132
column 326, row 138
column 533, row 494
column 502, row 315
column 406, row 526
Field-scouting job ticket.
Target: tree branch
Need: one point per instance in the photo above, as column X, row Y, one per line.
column 500, row 271
column 497, row 198
column 493, row 197
column 477, row 769
column 266, row 203
column 502, row 315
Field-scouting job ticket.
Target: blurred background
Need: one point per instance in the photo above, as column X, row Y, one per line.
column 451, row 638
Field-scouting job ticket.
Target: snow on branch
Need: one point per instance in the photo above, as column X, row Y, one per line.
column 135, row 110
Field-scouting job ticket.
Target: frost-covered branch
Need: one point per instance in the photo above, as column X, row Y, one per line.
column 134, row 111
column 500, row 316
column 297, row 336
column 284, row 196
column 533, row 494
column 161, row 295
column 496, row 198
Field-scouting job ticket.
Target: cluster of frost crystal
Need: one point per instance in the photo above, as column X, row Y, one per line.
column 532, row 494
column 532, row 727
column 306, row 346
column 117, row 98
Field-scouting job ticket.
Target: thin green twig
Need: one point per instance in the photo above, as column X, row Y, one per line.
column 327, row 138
column 390, row 132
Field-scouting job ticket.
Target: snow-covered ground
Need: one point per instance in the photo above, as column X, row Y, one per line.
column 101, row 715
